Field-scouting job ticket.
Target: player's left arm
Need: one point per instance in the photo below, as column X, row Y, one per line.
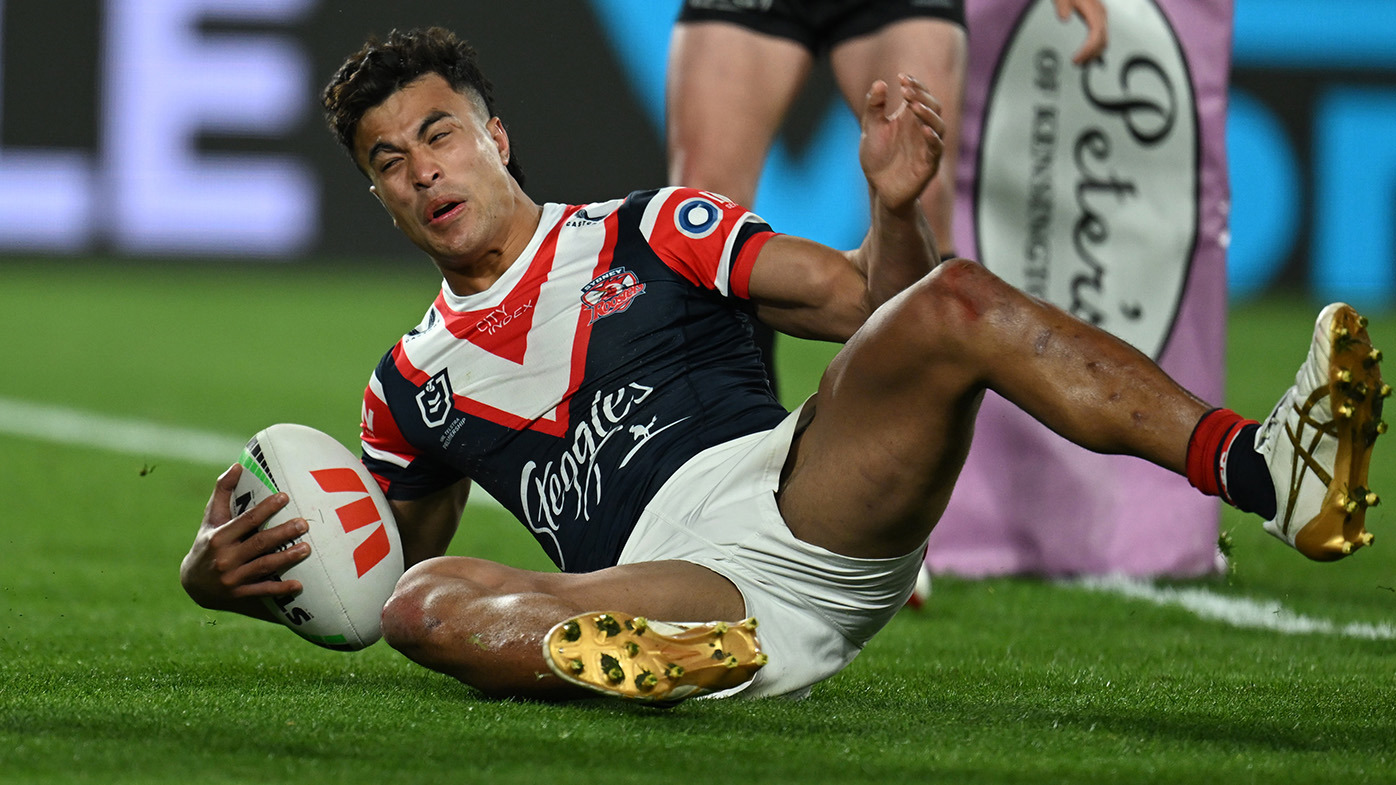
column 427, row 524
column 805, row 289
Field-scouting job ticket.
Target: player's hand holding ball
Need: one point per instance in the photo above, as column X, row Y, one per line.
column 298, row 532
column 234, row 561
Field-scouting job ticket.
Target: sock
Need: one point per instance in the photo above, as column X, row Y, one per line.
column 1222, row 461
column 1246, row 481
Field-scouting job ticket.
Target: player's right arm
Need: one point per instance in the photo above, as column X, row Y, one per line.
column 804, row 289
column 427, row 497
column 232, row 565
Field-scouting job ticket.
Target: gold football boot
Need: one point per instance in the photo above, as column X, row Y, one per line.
column 1318, row 440
column 660, row 663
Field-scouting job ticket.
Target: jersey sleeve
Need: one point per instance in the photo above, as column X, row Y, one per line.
column 403, row 472
column 706, row 238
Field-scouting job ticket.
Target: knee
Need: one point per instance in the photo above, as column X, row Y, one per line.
column 715, row 163
column 416, row 615
column 415, row 608
column 955, row 302
column 407, row 618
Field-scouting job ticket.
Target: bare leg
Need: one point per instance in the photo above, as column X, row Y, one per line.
column 729, row 89
column 934, row 51
column 874, row 470
column 483, row 623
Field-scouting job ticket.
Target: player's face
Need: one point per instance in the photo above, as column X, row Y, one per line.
column 438, row 166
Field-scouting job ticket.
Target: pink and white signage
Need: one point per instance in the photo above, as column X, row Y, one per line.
column 1103, row 189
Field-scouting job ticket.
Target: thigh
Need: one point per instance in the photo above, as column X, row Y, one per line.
column 816, row 608
column 728, row 91
column 933, row 50
column 892, row 425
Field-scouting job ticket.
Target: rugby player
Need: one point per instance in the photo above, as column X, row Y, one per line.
column 735, row 70
column 591, row 367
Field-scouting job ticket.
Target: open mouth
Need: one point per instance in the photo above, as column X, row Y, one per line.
column 443, row 210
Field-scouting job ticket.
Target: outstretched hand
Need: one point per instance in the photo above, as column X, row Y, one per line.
column 903, row 139
column 232, row 564
column 1093, row 13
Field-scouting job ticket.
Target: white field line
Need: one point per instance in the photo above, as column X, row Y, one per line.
column 149, row 441
column 1235, row 611
column 143, row 439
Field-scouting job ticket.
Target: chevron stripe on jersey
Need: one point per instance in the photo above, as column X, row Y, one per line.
column 522, row 342
column 603, row 359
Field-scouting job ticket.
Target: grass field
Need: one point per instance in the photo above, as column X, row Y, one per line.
column 109, row 674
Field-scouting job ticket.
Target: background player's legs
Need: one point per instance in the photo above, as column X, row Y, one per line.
column 729, row 89
column 895, row 411
column 935, row 51
column 483, row 623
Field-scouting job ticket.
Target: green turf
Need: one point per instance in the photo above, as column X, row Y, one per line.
column 109, row 674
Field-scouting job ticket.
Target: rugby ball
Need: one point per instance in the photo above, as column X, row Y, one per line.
column 355, row 552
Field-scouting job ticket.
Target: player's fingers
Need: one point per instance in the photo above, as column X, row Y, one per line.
column 268, row 589
column 228, row 480
column 1093, row 47
column 1097, row 31
column 934, row 139
column 929, row 116
column 232, row 564
column 269, row 565
column 875, row 104
column 217, row 511
column 235, row 535
column 1063, row 9
column 252, row 519
column 916, row 90
column 935, row 144
column 271, row 539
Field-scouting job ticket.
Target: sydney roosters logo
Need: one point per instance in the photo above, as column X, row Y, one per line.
column 611, row 293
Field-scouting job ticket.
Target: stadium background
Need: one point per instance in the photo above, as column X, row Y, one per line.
column 129, row 383
column 188, row 129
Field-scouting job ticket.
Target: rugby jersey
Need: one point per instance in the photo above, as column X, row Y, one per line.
column 612, row 351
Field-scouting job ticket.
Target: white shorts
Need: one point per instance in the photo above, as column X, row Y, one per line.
column 817, row 609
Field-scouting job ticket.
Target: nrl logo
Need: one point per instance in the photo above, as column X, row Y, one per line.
column 435, row 401
column 611, row 293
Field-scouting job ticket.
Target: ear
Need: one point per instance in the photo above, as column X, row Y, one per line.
column 374, row 190
column 500, row 137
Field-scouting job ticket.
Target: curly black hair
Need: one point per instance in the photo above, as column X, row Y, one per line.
column 380, row 68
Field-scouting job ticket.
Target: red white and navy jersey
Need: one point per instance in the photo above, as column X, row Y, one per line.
column 612, row 351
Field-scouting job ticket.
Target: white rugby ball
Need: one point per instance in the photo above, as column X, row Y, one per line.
column 355, row 552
